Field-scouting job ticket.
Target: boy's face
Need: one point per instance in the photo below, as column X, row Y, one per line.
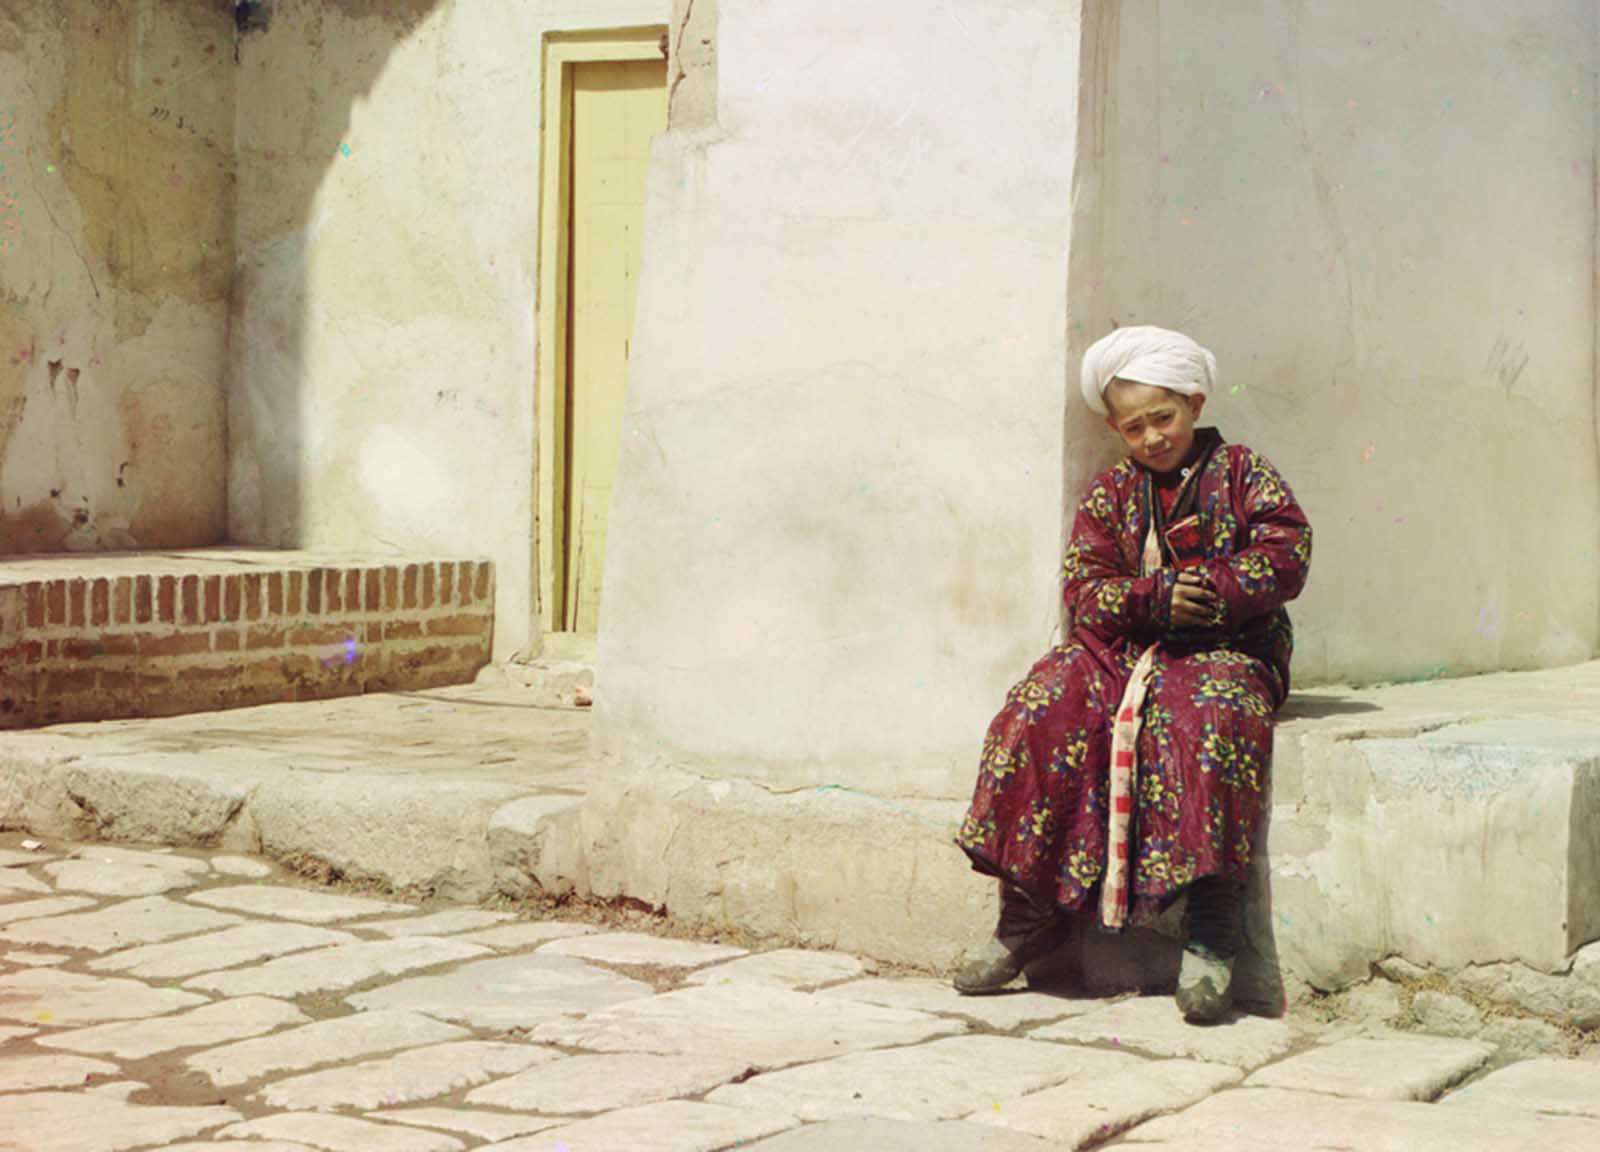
column 1156, row 424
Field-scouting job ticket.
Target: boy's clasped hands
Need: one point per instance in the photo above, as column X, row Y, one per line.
column 1194, row 604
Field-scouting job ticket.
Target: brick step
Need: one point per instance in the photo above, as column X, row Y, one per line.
column 157, row 634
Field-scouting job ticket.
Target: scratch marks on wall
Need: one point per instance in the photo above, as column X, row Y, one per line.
column 1507, row 361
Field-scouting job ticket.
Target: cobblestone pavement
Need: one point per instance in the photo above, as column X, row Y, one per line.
column 184, row 1001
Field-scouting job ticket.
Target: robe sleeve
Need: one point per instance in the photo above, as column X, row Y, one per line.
column 1272, row 568
column 1102, row 597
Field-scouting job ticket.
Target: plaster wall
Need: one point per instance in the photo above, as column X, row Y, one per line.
column 384, row 353
column 116, row 204
column 835, row 529
column 1381, row 217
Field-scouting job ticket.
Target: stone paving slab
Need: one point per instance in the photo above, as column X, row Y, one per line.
column 147, row 921
column 11, row 858
column 242, row 866
column 246, row 944
column 938, row 1081
column 103, row 878
column 1557, row 1087
column 1273, row 1120
column 295, row 903
column 477, row 1123
column 337, row 968
column 508, row 992
column 36, row 959
column 139, row 858
column 1395, row 1066
column 342, row 1134
column 796, row 968
column 26, row 1073
column 46, row 996
column 1153, row 1024
column 1085, row 1112
column 1002, row 1012
column 405, row 1078
column 325, row 1042
column 447, row 923
column 672, row 1126
column 637, row 948
column 210, row 1024
column 768, row 1027
column 22, row 910
column 15, row 884
column 874, row 1134
column 515, row 937
column 98, row 1122
column 239, row 1146
column 578, row 1084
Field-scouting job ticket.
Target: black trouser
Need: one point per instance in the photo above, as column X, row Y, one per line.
column 1215, row 915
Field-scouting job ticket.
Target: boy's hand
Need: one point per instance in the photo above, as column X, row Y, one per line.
column 1193, row 603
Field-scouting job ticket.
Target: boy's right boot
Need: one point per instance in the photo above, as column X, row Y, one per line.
column 1024, row 934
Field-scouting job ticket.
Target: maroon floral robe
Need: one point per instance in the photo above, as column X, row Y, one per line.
column 1038, row 814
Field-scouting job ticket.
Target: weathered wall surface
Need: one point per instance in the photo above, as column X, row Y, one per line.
column 383, row 353
column 1381, row 217
column 835, row 528
column 116, row 237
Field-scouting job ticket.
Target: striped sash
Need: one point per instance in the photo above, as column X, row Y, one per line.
column 1124, row 765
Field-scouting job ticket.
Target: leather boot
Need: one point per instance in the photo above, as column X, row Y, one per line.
column 1024, row 934
column 1205, row 985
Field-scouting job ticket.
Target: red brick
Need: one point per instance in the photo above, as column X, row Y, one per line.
column 391, row 589
column 352, row 590
column 447, row 583
column 167, row 600
column 77, row 606
column 252, row 596
column 100, row 603
column 373, row 633
column 174, row 644
column 323, row 634
column 56, row 601
column 410, row 600
column 191, row 600
column 143, row 600
column 459, row 626
column 265, row 636
column 332, row 586
column 78, row 648
column 27, row 652
column 427, row 586
column 402, row 629
column 114, row 644
column 122, row 600
column 232, row 595
column 292, row 600
column 480, row 591
column 227, row 640
column 275, row 594
column 213, row 599
column 59, row 680
column 464, row 581
column 372, row 599
column 221, row 673
column 314, row 592
column 36, row 608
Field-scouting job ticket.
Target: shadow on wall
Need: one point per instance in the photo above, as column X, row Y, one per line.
column 296, row 90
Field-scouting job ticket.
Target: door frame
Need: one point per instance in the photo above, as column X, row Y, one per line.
column 562, row 52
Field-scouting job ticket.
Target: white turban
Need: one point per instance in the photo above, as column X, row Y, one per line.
column 1146, row 355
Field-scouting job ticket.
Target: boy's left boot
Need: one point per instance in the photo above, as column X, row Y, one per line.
column 1205, row 985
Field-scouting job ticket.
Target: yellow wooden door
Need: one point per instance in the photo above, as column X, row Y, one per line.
column 617, row 107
